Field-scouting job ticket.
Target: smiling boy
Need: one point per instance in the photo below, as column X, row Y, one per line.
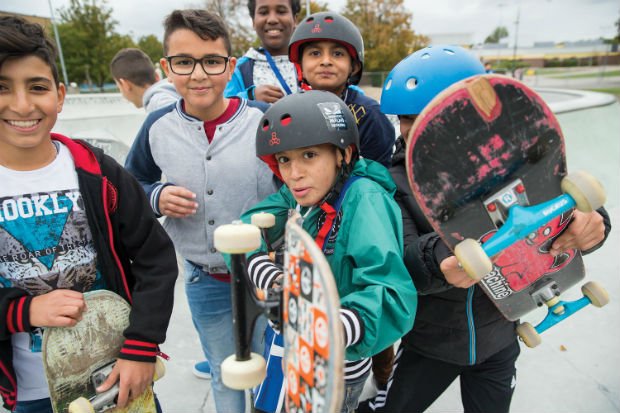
column 204, row 145
column 329, row 52
column 266, row 74
column 71, row 220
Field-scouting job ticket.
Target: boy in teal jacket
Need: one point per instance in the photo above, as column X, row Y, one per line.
column 311, row 142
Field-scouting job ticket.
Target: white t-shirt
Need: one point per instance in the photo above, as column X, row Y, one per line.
column 45, row 244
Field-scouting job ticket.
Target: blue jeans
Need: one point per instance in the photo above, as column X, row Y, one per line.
column 34, row 406
column 211, row 308
column 45, row 406
column 352, row 391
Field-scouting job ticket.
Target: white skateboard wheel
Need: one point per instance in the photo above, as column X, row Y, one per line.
column 81, row 405
column 237, row 238
column 595, row 292
column 528, row 334
column 263, row 220
column 160, row 369
column 473, row 259
column 585, row 189
column 241, row 375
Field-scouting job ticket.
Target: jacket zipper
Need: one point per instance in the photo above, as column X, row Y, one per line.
column 471, row 327
column 111, row 237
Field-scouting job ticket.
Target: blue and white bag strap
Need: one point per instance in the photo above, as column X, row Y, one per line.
column 276, row 72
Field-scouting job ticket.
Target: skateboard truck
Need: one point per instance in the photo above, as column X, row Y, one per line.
column 106, row 400
column 581, row 190
column 593, row 293
column 499, row 204
column 245, row 369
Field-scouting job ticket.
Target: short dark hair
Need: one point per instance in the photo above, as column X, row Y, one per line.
column 134, row 65
column 295, row 7
column 19, row 38
column 206, row 25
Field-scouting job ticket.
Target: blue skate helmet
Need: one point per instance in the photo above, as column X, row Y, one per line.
column 419, row 77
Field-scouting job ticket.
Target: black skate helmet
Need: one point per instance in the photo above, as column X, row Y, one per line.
column 305, row 119
column 331, row 26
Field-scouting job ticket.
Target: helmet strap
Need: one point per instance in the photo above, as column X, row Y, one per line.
column 343, row 174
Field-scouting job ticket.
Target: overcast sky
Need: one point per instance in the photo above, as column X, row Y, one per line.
column 540, row 20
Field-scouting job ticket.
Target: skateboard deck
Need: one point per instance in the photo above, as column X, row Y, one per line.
column 481, row 146
column 71, row 355
column 313, row 338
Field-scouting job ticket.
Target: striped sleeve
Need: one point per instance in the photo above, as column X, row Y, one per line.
column 137, row 350
column 353, row 326
column 18, row 315
column 262, row 270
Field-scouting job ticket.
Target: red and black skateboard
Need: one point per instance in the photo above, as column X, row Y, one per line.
column 486, row 163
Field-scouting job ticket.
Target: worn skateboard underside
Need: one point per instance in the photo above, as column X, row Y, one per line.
column 71, row 355
column 314, row 348
column 474, row 139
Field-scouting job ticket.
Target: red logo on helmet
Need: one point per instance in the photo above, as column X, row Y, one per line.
column 317, row 28
column 274, row 139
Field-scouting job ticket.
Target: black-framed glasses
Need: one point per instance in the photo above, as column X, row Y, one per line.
column 185, row 65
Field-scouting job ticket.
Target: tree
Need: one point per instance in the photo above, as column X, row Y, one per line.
column 88, row 40
column 386, row 28
column 315, row 7
column 152, row 47
column 498, row 34
column 235, row 14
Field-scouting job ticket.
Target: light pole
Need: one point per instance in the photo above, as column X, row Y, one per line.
column 514, row 50
column 62, row 58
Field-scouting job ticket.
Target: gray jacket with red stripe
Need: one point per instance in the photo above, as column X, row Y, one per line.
column 134, row 254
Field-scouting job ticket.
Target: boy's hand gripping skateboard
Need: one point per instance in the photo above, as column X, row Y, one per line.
column 79, row 359
column 309, row 318
column 486, row 163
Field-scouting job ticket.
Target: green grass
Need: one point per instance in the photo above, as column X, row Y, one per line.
column 610, row 90
column 607, row 73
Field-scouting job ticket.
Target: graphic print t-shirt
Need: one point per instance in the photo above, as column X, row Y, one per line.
column 45, row 244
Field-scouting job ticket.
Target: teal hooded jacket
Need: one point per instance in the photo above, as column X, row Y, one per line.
column 365, row 255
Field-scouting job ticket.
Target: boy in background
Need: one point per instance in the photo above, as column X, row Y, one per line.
column 139, row 82
column 266, row 74
column 328, row 50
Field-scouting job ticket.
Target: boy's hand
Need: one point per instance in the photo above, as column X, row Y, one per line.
column 268, row 93
column 455, row 275
column 177, row 202
column 585, row 231
column 58, row 308
column 133, row 378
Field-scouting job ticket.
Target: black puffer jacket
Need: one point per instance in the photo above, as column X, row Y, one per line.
column 456, row 325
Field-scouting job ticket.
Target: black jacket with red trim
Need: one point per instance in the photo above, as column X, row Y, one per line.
column 134, row 255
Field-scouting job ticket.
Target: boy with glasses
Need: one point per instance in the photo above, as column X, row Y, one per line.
column 205, row 146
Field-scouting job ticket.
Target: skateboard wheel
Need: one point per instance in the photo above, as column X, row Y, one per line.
column 595, row 292
column 585, row 189
column 241, row 375
column 160, row 369
column 528, row 334
column 473, row 259
column 81, row 405
column 263, row 220
column 236, row 238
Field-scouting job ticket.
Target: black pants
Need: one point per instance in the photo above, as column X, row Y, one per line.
column 418, row 381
